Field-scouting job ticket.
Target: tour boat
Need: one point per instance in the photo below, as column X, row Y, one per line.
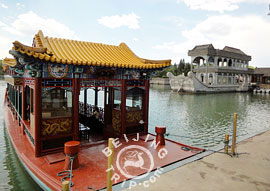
column 55, row 134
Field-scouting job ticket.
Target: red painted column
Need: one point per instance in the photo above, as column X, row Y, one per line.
column 37, row 112
column 76, row 90
column 123, row 106
column 146, row 106
column 85, row 101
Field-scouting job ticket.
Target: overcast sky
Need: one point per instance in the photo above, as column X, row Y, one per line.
column 153, row 29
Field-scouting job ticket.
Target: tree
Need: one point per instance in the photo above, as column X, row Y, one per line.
column 181, row 66
column 187, row 68
column 175, row 69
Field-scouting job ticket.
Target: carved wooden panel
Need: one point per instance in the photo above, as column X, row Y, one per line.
column 56, row 127
column 134, row 116
column 116, row 120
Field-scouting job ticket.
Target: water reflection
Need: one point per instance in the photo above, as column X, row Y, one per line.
column 12, row 174
column 160, row 88
column 18, row 178
column 203, row 120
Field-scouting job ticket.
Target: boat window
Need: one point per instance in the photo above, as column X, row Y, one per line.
column 134, row 98
column 56, row 102
column 31, row 100
column 229, row 80
column 117, row 98
column 219, row 79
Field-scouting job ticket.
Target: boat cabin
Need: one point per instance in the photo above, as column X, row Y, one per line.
column 61, row 90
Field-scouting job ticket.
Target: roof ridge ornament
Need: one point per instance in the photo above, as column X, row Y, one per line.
column 17, row 44
column 44, row 42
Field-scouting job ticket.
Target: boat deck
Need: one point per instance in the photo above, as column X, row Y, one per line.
column 93, row 162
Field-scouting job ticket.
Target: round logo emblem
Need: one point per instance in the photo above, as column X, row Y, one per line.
column 133, row 159
column 58, row 70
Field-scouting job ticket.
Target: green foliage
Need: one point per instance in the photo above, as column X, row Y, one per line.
column 175, row 69
column 251, row 67
column 162, row 73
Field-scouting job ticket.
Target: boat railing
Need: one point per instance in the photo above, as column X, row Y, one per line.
column 18, row 116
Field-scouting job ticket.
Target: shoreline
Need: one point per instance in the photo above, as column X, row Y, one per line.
column 215, row 171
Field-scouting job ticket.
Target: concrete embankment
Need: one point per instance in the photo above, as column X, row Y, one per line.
column 249, row 171
column 160, row 81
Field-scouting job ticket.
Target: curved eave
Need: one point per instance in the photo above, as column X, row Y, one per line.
column 8, row 62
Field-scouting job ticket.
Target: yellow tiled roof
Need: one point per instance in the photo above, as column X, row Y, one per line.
column 8, row 62
column 86, row 53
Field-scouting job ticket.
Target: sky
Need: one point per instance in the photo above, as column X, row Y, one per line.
column 153, row 29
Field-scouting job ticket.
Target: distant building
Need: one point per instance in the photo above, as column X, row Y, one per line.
column 215, row 70
column 228, row 66
column 261, row 76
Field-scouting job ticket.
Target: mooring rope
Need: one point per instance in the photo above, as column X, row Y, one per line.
column 174, row 135
column 91, row 188
column 194, row 150
column 68, row 173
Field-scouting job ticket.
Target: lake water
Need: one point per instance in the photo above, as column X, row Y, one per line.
column 196, row 120
column 203, row 120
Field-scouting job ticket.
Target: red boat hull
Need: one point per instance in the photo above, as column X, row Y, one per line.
column 93, row 162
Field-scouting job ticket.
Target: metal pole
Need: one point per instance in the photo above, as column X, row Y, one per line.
column 234, row 133
column 110, row 163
